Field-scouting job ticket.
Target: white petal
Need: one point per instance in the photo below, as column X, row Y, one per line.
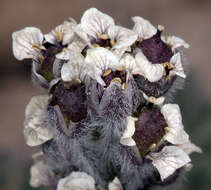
column 94, row 22
column 178, row 69
column 74, row 69
column 27, row 43
column 63, row 32
column 169, row 160
column 190, row 148
column 152, row 72
column 82, row 34
column 156, row 101
column 36, row 125
column 176, row 42
column 123, row 37
column 127, row 142
column 99, row 59
column 143, row 28
column 40, row 175
column 115, row 185
column 76, row 46
column 77, row 181
column 128, row 62
column 64, row 55
column 130, row 127
column 176, row 133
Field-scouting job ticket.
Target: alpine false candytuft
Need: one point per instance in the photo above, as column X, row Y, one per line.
column 105, row 122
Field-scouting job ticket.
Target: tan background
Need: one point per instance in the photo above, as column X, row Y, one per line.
column 189, row 19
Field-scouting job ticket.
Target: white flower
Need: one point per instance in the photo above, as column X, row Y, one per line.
column 74, row 69
column 177, row 66
column 115, row 185
column 96, row 25
column 156, row 101
column 100, row 59
column 143, row 28
column 94, row 22
column 146, row 30
column 126, row 138
column 62, row 33
column 152, row 72
column 77, row 181
column 40, row 175
column 176, row 42
column 36, row 125
column 27, row 43
column 168, row 160
column 175, row 133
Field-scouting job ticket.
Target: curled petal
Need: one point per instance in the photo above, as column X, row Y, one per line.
column 74, row 69
column 176, row 133
column 143, row 28
column 41, row 175
column 130, row 127
column 176, row 42
column 62, row 33
column 127, row 142
column 94, row 22
column 152, row 72
column 76, row 181
column 27, row 43
column 98, row 60
column 128, row 62
column 76, row 46
column 190, row 148
column 123, row 37
column 168, row 160
column 36, row 125
column 178, row 69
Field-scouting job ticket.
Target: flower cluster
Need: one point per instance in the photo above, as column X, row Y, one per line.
column 105, row 121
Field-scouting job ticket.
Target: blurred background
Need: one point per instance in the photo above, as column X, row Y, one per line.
column 188, row 19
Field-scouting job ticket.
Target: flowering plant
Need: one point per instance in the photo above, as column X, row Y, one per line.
column 106, row 121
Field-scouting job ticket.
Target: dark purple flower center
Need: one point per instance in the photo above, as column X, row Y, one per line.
column 149, row 129
column 71, row 100
column 155, row 49
column 108, row 76
column 48, row 58
column 155, row 89
column 106, row 43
